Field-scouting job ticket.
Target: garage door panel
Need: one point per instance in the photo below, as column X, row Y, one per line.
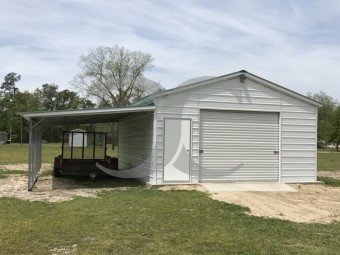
column 239, row 146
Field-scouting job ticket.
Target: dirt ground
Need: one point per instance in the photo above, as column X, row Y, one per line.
column 312, row 203
column 47, row 188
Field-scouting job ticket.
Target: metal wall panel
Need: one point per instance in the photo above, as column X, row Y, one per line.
column 239, row 146
column 135, row 144
column 177, row 107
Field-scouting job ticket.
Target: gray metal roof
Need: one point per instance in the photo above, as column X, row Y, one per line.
column 145, row 101
column 98, row 115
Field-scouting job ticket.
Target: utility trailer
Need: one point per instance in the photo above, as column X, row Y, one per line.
column 81, row 151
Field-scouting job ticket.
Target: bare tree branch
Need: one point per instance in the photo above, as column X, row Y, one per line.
column 114, row 75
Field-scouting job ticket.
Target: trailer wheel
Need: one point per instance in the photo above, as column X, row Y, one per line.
column 56, row 172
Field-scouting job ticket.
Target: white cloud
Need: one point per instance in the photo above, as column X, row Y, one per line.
column 292, row 43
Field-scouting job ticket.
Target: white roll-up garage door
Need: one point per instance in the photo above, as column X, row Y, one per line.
column 239, row 146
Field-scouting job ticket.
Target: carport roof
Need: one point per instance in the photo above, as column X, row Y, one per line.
column 98, row 115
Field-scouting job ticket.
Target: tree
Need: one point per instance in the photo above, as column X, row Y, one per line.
column 48, row 96
column 8, row 88
column 8, row 104
column 53, row 100
column 325, row 112
column 114, row 75
column 67, row 99
column 25, row 101
column 332, row 133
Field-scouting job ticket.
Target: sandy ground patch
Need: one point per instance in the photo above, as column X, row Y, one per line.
column 47, row 188
column 312, row 203
column 332, row 174
column 196, row 187
column 24, row 167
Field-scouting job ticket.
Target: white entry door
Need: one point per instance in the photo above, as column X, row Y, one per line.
column 177, row 134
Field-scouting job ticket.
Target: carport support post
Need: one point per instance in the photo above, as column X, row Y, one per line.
column 30, row 157
column 94, row 145
column 34, row 161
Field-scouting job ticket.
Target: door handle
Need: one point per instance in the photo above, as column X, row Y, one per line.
column 200, row 151
column 276, row 152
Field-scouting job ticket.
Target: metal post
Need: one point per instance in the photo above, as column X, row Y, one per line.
column 21, row 130
column 82, row 153
column 30, row 157
column 34, row 161
column 105, row 145
column 62, row 145
column 72, row 145
column 94, row 145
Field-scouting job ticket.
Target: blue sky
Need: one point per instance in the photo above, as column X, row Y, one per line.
column 293, row 43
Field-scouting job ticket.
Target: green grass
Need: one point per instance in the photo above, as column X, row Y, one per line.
column 5, row 173
column 330, row 181
column 328, row 160
column 148, row 221
column 15, row 153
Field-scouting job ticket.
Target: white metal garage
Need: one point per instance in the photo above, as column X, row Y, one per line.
column 236, row 127
column 242, row 128
column 239, row 146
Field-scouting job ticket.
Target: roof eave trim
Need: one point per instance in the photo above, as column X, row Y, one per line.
column 283, row 90
column 98, row 111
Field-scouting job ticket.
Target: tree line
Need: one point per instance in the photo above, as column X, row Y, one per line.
column 48, row 97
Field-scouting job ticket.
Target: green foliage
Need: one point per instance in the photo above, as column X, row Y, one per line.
column 333, row 128
column 148, row 221
column 9, row 103
column 46, row 98
column 324, row 113
column 52, row 100
column 8, row 88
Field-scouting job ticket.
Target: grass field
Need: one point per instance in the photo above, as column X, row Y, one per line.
column 330, row 181
column 328, row 160
column 15, row 153
column 4, row 174
column 148, row 221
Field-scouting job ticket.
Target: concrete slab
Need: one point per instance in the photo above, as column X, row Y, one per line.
column 248, row 186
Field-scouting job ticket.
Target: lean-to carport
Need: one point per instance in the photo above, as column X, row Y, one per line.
column 37, row 121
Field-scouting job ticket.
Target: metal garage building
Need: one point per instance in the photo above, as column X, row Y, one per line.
column 236, row 127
